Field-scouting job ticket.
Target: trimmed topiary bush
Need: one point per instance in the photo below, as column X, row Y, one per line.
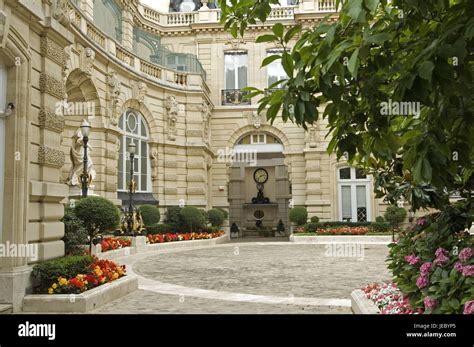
column 314, row 219
column 380, row 219
column 299, row 215
column 150, row 215
column 173, row 218
column 205, row 216
column 395, row 215
column 224, row 212
column 75, row 235
column 98, row 215
column 193, row 218
column 48, row 272
column 216, row 217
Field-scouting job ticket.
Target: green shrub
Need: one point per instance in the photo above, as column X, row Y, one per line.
column 373, row 227
column 311, row 227
column 150, row 215
column 395, row 215
column 299, row 215
column 314, row 219
column 98, row 216
column 380, row 219
column 224, row 212
column 216, row 217
column 75, row 235
column 205, row 216
column 159, row 229
column 210, row 229
column 47, row 272
column 192, row 218
column 173, row 218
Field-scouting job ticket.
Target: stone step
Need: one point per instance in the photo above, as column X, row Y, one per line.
column 6, row 309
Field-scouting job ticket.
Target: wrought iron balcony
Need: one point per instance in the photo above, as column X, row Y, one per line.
column 234, row 97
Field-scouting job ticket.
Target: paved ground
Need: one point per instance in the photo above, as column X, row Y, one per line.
column 251, row 277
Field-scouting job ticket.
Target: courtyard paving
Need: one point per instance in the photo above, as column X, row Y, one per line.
column 250, row 277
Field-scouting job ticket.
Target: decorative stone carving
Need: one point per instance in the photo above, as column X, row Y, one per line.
column 3, row 27
column 52, row 86
column 114, row 93
column 52, row 50
column 154, row 163
column 139, row 91
column 235, row 43
column 311, row 139
column 50, row 157
column 255, row 119
column 76, row 154
column 61, row 12
column 87, row 61
column 67, row 63
column 206, row 128
column 172, row 108
column 51, row 121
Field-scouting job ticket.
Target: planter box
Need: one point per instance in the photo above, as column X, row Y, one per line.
column 361, row 305
column 371, row 239
column 187, row 244
column 80, row 303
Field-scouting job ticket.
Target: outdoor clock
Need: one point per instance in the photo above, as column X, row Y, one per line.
column 260, row 175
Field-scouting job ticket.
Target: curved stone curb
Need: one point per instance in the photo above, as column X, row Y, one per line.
column 365, row 239
column 80, row 303
column 361, row 305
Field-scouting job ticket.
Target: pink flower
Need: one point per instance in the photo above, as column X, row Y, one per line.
column 430, row 303
column 469, row 307
column 441, row 251
column 422, row 281
column 420, row 221
column 465, row 254
column 412, row 259
column 441, row 257
column 458, row 266
column 426, row 267
column 468, row 271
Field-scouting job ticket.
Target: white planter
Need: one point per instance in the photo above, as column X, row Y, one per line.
column 361, row 305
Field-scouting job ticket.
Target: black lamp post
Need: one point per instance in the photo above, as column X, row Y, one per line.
column 85, row 130
column 132, row 147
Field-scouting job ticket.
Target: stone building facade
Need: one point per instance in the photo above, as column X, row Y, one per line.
column 169, row 81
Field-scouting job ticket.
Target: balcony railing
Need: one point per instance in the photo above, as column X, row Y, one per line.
column 234, row 97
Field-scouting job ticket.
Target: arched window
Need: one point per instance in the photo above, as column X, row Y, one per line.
column 134, row 126
column 353, row 187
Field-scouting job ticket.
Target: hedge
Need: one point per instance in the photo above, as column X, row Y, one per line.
column 373, row 226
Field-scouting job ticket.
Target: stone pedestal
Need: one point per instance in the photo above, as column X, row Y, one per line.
column 139, row 242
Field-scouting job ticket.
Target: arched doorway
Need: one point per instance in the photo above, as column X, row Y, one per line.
column 259, row 185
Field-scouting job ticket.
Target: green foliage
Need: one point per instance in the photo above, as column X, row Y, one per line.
column 380, row 219
column 373, row 227
column 442, row 230
column 224, row 212
column 98, row 215
column 379, row 55
column 173, row 218
column 298, row 215
column 314, row 219
column 216, row 217
column 75, row 235
column 395, row 215
column 205, row 216
column 47, row 272
column 150, row 215
column 192, row 218
column 210, row 229
column 159, row 229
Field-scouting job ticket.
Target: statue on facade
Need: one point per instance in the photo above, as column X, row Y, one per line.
column 77, row 156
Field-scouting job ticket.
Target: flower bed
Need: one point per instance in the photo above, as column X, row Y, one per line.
column 101, row 271
column 338, row 231
column 389, row 299
column 173, row 237
column 112, row 243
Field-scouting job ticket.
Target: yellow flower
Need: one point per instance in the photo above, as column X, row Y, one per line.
column 50, row 290
column 62, row 281
column 54, row 286
column 116, row 275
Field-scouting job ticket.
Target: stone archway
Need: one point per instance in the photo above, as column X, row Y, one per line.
column 258, row 152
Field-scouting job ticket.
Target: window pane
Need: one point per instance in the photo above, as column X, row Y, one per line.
column 345, row 174
column 346, row 203
column 143, row 129
column 242, row 77
column 144, row 183
column 229, row 72
column 361, row 194
column 360, row 174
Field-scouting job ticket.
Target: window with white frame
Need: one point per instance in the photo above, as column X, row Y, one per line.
column 275, row 71
column 134, row 127
column 353, row 194
column 235, row 69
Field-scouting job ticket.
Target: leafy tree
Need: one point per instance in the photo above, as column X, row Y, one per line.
column 395, row 215
column 379, row 55
column 215, row 217
column 298, row 215
column 193, row 218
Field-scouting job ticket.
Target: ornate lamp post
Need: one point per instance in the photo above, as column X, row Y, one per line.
column 85, row 130
column 132, row 148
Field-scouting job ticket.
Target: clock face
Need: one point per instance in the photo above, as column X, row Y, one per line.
column 260, row 175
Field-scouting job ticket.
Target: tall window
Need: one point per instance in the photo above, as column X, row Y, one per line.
column 353, row 193
column 275, row 71
column 134, row 127
column 235, row 69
